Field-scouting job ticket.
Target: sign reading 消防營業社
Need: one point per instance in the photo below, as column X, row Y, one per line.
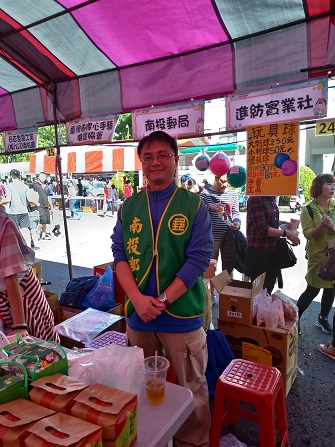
column 280, row 104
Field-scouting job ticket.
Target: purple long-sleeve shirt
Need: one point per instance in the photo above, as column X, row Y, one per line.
column 198, row 253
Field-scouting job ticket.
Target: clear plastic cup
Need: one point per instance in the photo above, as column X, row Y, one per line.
column 155, row 378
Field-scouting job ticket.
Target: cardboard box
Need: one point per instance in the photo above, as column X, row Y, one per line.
column 120, row 294
column 15, row 419
column 56, row 392
column 68, row 312
column 114, row 410
column 53, row 301
column 62, row 429
column 236, row 297
column 281, row 342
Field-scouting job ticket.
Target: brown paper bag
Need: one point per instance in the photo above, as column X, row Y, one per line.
column 56, row 392
column 15, row 419
column 63, row 430
column 114, row 410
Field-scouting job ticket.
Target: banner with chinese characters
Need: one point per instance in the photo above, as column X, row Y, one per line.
column 181, row 119
column 20, row 141
column 272, row 159
column 90, row 131
column 288, row 103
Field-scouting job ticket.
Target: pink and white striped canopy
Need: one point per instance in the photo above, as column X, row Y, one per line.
column 103, row 57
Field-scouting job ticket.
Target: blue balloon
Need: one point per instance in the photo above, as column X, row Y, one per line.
column 280, row 158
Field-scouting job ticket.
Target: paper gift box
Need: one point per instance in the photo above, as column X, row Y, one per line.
column 39, row 358
column 63, row 430
column 15, row 419
column 114, row 410
column 56, row 392
column 13, row 382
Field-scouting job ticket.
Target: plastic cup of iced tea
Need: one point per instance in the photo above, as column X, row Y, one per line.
column 155, row 378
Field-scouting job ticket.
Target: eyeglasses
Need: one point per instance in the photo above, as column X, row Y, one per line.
column 159, row 157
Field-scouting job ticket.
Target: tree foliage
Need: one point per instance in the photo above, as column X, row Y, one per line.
column 306, row 176
column 124, row 129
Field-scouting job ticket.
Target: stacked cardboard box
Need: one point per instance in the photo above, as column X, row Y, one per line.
column 275, row 347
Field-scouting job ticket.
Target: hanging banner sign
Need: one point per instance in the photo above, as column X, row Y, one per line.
column 90, row 131
column 298, row 102
column 272, row 159
column 20, row 141
column 181, row 119
column 325, row 127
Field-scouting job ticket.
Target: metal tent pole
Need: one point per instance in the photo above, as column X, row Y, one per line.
column 59, row 168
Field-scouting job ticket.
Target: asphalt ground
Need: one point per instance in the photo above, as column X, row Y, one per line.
column 310, row 404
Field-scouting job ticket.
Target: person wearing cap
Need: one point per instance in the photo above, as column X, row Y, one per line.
column 206, row 184
column 16, row 197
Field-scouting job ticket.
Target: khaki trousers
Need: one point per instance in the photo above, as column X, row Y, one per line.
column 188, row 355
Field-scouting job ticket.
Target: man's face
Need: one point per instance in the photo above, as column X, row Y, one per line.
column 159, row 172
column 221, row 182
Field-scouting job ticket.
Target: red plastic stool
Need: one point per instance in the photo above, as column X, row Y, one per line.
column 259, row 385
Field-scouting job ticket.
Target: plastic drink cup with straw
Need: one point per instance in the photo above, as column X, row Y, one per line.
column 155, row 378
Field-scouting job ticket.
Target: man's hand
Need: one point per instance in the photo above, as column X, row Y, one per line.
column 147, row 307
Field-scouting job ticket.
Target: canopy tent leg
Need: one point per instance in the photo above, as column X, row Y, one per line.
column 59, row 171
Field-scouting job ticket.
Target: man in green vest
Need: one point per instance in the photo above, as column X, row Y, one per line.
column 162, row 244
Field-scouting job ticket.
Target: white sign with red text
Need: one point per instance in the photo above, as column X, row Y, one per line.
column 186, row 119
column 90, row 131
column 299, row 102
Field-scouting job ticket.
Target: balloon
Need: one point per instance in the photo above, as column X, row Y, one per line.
column 201, row 161
column 280, row 158
column 289, row 167
column 237, row 176
column 219, row 164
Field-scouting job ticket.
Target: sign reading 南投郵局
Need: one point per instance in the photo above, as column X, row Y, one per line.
column 22, row 140
column 179, row 119
column 90, row 131
column 272, row 159
column 281, row 104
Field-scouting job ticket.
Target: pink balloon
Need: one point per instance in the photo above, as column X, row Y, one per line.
column 219, row 164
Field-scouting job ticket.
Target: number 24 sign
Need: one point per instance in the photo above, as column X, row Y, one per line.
column 325, row 127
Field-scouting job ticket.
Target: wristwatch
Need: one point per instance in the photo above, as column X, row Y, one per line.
column 163, row 299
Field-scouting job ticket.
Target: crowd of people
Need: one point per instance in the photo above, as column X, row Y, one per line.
column 163, row 240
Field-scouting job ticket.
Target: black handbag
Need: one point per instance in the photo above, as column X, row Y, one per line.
column 284, row 254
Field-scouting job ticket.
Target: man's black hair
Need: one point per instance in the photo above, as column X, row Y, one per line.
column 158, row 135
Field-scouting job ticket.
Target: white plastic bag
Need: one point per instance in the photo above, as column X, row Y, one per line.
column 116, row 366
column 267, row 311
column 290, row 309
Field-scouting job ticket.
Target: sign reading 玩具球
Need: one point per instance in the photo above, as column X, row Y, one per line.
column 272, row 159
column 181, row 119
column 281, row 104
column 90, row 131
column 23, row 140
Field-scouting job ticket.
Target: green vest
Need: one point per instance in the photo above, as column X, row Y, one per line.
column 169, row 247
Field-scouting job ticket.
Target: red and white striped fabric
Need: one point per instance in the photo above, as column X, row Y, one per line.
column 87, row 159
column 39, row 316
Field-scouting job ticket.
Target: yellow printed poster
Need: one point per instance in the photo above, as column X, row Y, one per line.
column 272, row 159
